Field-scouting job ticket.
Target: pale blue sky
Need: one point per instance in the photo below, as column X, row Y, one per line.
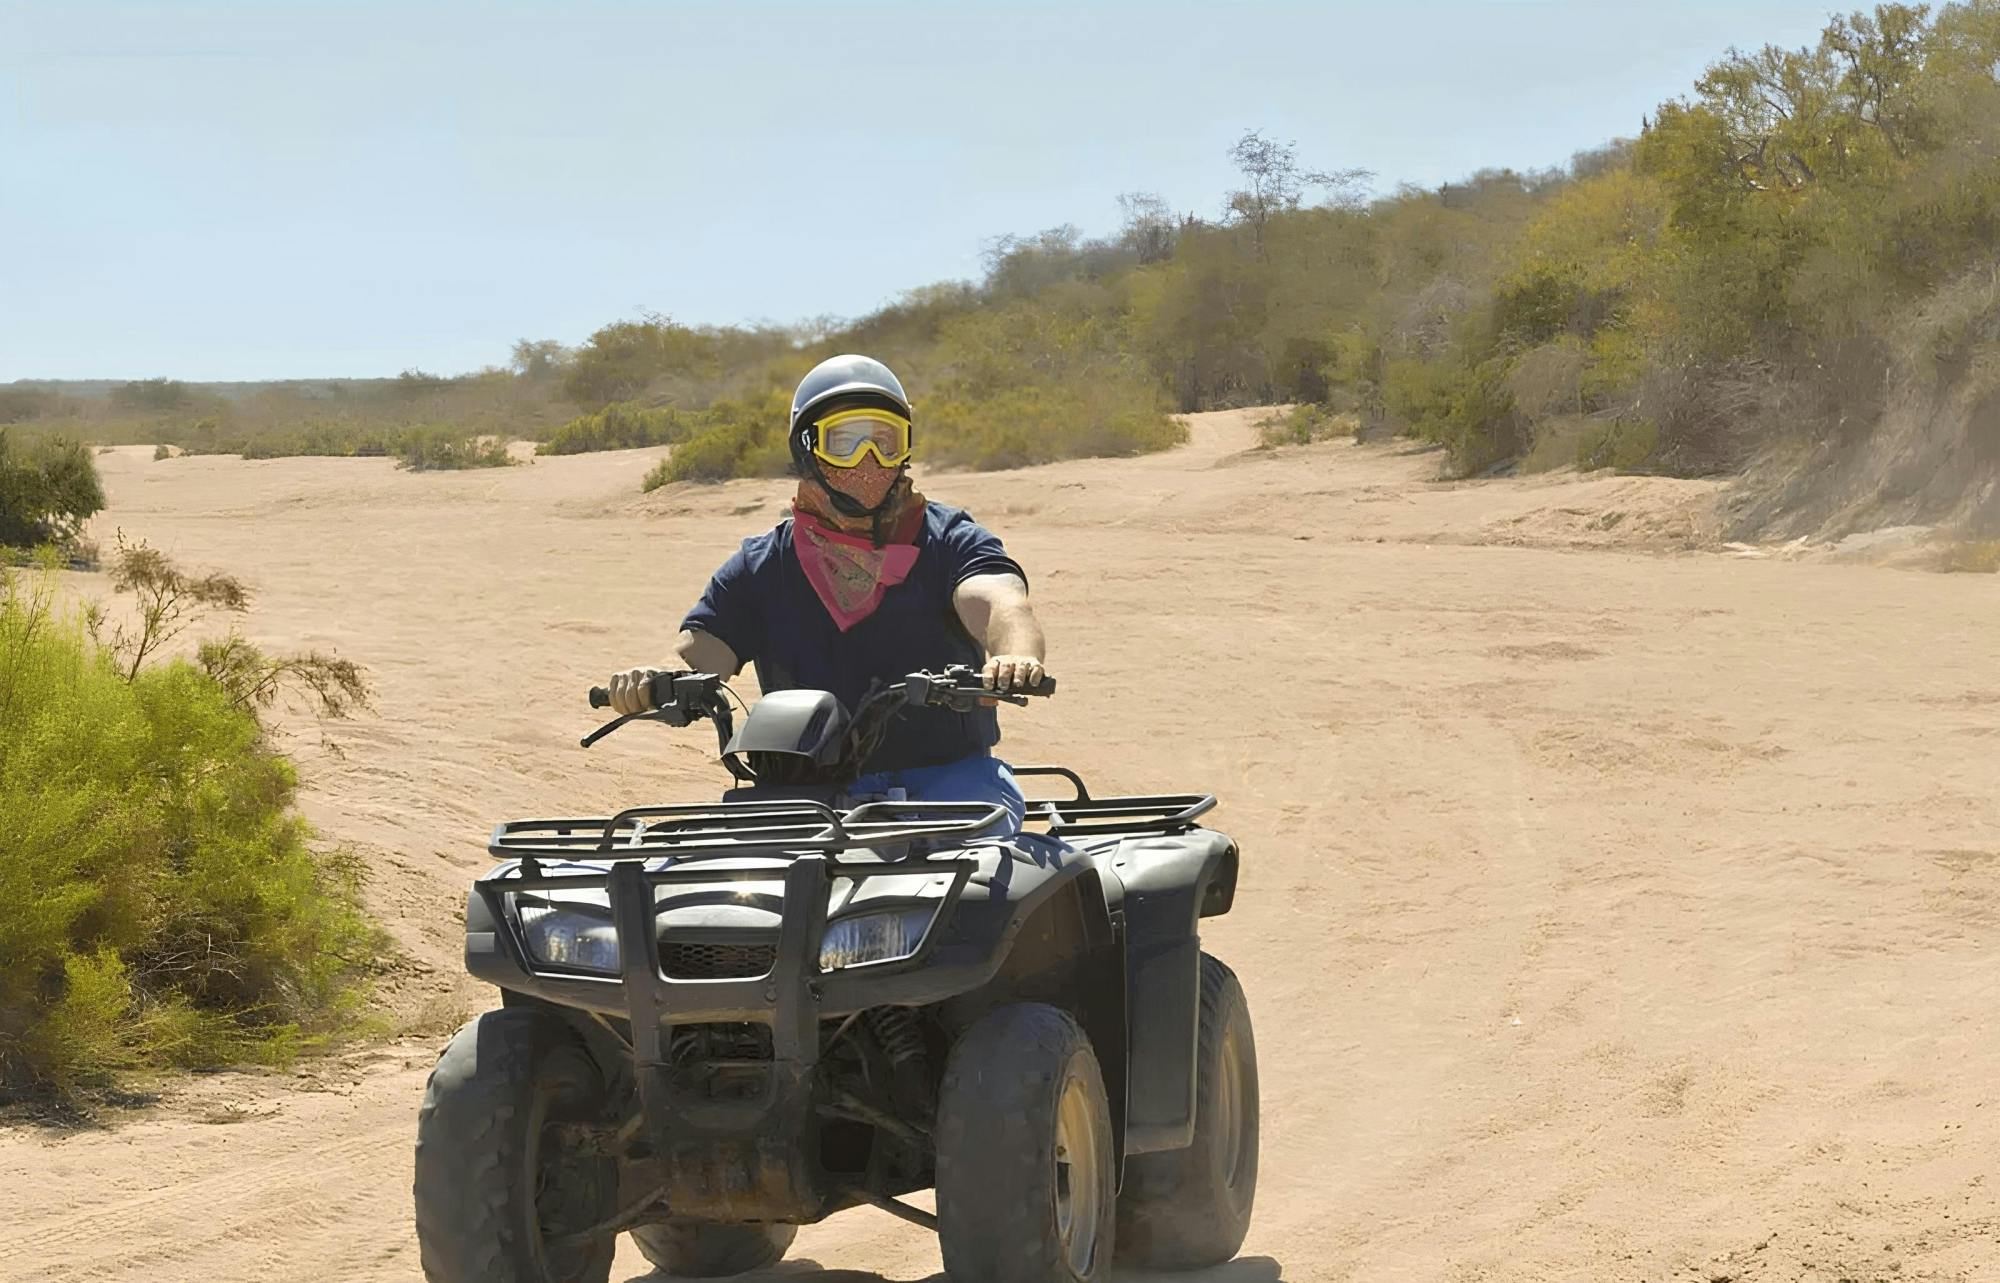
column 280, row 188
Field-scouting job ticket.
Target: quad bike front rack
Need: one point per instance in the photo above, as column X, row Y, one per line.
column 792, row 827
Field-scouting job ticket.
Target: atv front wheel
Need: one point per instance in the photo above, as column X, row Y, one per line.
column 499, row 1182
column 1026, row 1190
column 1184, row 1209
column 692, row 1250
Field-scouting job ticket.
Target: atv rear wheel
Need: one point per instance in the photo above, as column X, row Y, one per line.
column 1189, row 1208
column 499, row 1181
column 692, row 1250
column 1026, row 1188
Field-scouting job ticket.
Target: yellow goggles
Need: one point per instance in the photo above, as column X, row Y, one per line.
column 842, row 439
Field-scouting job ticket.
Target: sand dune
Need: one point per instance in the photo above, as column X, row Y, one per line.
column 1611, row 909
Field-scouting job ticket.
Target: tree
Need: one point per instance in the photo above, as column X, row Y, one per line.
column 18, row 404
column 411, row 384
column 47, row 491
column 152, row 395
column 1019, row 265
column 1884, row 57
column 1149, row 226
column 1274, row 183
column 537, row 360
column 619, row 361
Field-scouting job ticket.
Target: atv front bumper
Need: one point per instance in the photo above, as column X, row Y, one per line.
column 744, row 1154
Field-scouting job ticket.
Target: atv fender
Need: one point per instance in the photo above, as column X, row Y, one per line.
column 1169, row 882
column 1059, row 947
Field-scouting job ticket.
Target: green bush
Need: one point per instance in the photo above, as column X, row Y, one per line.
column 333, row 440
column 1304, row 424
column 623, row 425
column 740, row 439
column 48, row 489
column 440, row 448
column 1027, row 423
column 1622, row 444
column 164, row 906
column 1042, row 422
column 421, row 447
column 1466, row 409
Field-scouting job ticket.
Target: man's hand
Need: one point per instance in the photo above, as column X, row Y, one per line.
column 632, row 692
column 1012, row 673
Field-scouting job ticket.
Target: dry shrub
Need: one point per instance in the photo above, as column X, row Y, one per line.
column 1708, row 415
column 1589, row 443
column 623, row 425
column 1970, row 556
column 438, row 448
column 1426, row 323
column 1548, row 380
column 1305, row 424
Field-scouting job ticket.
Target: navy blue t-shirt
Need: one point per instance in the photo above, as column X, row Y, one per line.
column 762, row 606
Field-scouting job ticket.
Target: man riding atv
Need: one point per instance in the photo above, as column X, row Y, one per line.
column 867, row 581
column 867, row 970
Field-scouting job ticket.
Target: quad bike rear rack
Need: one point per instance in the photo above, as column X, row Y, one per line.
column 1087, row 816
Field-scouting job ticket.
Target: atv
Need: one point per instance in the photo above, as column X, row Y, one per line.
column 720, row 1021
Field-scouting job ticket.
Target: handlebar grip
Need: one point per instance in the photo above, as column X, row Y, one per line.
column 600, row 697
column 1046, row 686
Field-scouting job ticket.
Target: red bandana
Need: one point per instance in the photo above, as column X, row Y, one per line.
column 848, row 572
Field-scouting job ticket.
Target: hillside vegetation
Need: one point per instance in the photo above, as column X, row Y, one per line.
column 1793, row 265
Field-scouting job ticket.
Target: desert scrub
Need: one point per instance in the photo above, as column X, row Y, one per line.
column 1970, row 557
column 623, row 425
column 1586, row 444
column 743, row 438
column 1015, row 428
column 439, row 449
column 1045, row 421
column 165, row 906
column 1304, row 424
column 420, row 447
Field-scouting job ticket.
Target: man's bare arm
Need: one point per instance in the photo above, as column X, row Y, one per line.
column 996, row 611
column 706, row 653
column 700, row 652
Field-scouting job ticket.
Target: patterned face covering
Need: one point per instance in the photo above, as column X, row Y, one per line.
column 848, row 571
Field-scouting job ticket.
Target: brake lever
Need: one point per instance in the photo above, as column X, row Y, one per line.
column 609, row 727
column 984, row 698
column 966, row 699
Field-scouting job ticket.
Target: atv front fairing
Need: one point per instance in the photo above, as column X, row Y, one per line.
column 727, row 951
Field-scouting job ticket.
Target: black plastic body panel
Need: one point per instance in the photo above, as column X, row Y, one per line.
column 1166, row 883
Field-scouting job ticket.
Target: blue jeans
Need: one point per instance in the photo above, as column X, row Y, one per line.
column 979, row 778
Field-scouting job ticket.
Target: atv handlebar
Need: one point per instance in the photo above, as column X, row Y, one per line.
column 679, row 698
column 950, row 683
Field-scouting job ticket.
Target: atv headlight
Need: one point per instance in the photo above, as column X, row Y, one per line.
column 872, row 937
column 563, row 936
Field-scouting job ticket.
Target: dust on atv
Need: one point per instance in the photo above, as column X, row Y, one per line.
column 724, row 1020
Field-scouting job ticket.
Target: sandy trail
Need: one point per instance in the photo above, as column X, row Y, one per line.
column 1609, row 911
